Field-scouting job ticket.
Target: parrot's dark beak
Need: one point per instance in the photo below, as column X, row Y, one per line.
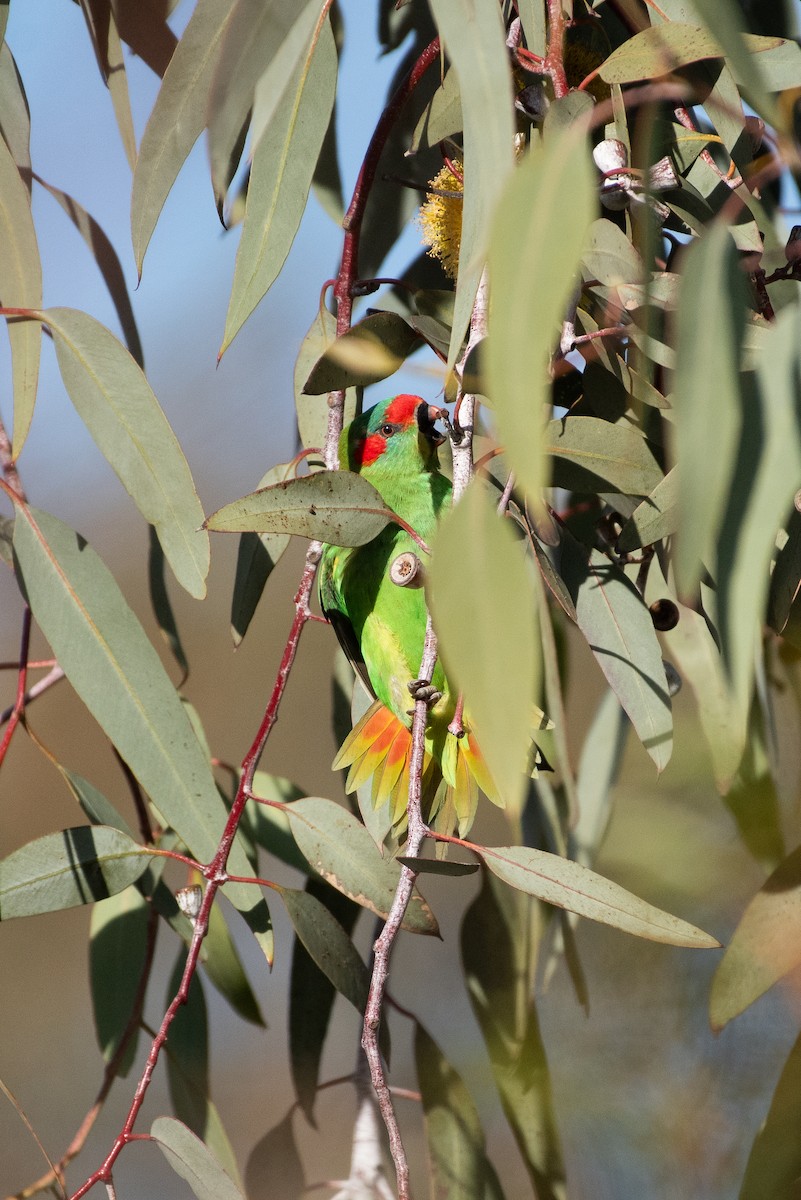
column 427, row 414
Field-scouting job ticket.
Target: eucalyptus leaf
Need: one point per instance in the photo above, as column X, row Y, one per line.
column 20, row 287
column 454, row 1137
column 62, row 870
column 590, row 455
column 474, row 39
column 774, row 1164
column 256, row 557
column 369, row 352
column 177, row 119
column 657, row 517
column 280, row 177
column 539, row 232
column 118, row 407
column 340, row 849
column 569, row 885
column 118, row 936
column 312, row 410
column 333, row 506
column 488, row 658
column 193, row 1161
column 328, row 945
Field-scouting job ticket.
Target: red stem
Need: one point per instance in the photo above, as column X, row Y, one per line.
column 22, row 680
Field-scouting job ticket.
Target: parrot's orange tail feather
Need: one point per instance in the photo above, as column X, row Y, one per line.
column 380, row 745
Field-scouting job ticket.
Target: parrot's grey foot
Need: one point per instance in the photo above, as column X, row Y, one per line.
column 421, row 689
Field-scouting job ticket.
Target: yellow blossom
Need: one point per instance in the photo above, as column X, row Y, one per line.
column 440, row 217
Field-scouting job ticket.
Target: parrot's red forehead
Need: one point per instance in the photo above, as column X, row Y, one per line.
column 401, row 410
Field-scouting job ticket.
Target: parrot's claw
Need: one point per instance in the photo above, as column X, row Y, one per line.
column 421, row 689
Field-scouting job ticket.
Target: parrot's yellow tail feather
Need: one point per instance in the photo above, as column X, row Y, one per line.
column 379, row 745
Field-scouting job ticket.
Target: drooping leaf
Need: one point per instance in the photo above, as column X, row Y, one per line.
column 256, row 558
column 599, row 765
column 474, row 38
column 312, row 410
column 119, row 409
column 262, row 46
column 274, row 1167
column 270, row 825
column 442, row 116
column 539, row 233
column 280, row 178
column 454, row 1137
column 61, row 870
column 223, row 966
column 340, row 849
column 177, row 119
column 101, row 21
column 766, row 474
column 311, row 1000
column 328, row 945
column 707, row 394
column 369, row 352
column 619, row 631
column 657, row 517
column 610, row 257
column 488, row 658
column 569, row 885
column 160, row 601
column 117, row 955
column 20, row 287
column 193, row 1161
column 15, row 121
column 188, row 1052
column 764, row 947
column 662, row 48
column 118, row 675
column 499, row 958
column 438, row 866
column 333, row 506
column 590, row 454
column 108, row 264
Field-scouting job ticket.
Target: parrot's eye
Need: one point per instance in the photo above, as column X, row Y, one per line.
column 387, row 430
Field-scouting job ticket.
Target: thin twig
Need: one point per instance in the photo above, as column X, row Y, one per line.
column 38, row 689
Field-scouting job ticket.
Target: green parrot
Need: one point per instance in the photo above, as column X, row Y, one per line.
column 381, row 626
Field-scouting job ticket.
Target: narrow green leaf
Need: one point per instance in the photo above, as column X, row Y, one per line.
column 188, row 1052
column 599, row 766
column 619, row 630
column 93, row 803
column 117, row 956
column 662, row 48
column 328, row 945
column 569, row 885
column 193, row 1161
column 160, row 601
column 766, row 476
column 764, row 947
column 498, row 948
column 260, row 34
column 532, row 18
column 108, row 264
column 454, row 1137
column 20, row 287
column 333, row 506
column 270, row 825
column 255, row 560
column 488, row 658
column 15, row 117
column 657, row 517
column 724, row 722
column 610, row 257
column 340, row 849
column 177, row 119
column 311, row 1000
column 280, row 177
column 312, row 411
column 743, row 51
column 438, row 866
column 774, row 1164
column 61, row 870
column 274, row 1168
column 118, row 675
column 475, row 42
column 711, row 321
column 539, row 232
column 224, row 968
column 117, row 405
column 370, row 351
column 590, row 454
column 441, row 117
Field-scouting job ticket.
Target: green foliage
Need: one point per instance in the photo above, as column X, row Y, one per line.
column 621, row 343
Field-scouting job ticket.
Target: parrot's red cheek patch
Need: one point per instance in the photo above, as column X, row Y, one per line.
column 368, row 449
